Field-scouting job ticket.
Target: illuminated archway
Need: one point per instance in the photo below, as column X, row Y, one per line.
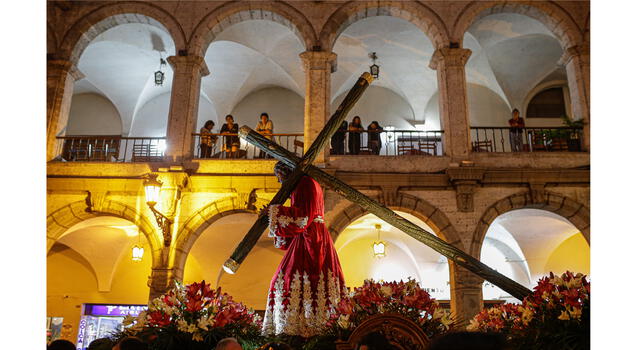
column 527, row 244
column 78, row 37
column 239, row 11
column 213, row 247
column 405, row 257
column 551, row 15
column 91, row 263
column 422, row 16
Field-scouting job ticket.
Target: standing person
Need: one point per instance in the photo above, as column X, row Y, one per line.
column 232, row 142
column 516, row 128
column 373, row 130
column 355, row 130
column 337, row 140
column 207, row 139
column 264, row 127
column 308, row 284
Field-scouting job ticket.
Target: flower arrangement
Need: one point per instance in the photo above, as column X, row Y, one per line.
column 405, row 298
column 194, row 317
column 555, row 316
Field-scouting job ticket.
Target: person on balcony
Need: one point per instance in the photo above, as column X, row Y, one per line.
column 232, row 141
column 516, row 129
column 374, row 143
column 207, row 140
column 355, row 132
column 264, row 127
column 337, row 140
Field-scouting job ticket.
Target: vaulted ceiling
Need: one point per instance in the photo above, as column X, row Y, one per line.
column 511, row 55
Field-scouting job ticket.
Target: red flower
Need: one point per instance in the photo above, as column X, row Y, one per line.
column 345, row 307
column 166, row 298
column 159, row 318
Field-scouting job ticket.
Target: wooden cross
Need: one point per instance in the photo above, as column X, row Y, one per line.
column 304, row 166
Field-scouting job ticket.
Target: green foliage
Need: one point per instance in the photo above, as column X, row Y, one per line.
column 572, row 123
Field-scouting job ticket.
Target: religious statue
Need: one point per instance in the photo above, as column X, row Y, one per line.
column 308, row 284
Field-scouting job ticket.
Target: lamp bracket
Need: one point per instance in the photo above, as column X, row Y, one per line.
column 165, row 225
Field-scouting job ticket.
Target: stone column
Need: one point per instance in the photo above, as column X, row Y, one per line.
column 318, row 66
column 577, row 63
column 466, row 293
column 452, row 87
column 183, row 109
column 61, row 76
column 161, row 280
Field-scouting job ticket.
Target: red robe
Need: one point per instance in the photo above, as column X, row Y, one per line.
column 308, row 284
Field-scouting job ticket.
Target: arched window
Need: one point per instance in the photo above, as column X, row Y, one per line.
column 548, row 103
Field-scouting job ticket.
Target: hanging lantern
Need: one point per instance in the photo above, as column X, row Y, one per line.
column 152, row 189
column 379, row 246
column 374, row 69
column 159, row 74
column 137, row 252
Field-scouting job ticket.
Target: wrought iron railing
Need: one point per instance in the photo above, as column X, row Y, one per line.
column 230, row 146
column 536, row 139
column 110, row 149
column 391, row 143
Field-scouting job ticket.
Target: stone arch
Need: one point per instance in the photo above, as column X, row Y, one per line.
column 105, row 17
column 545, row 86
column 52, row 40
column 576, row 213
column 412, row 11
column 554, row 17
column 432, row 216
column 59, row 221
column 234, row 12
column 195, row 225
column 586, row 33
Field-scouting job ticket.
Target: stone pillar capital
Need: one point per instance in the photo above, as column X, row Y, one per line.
column 319, row 60
column 58, row 64
column 185, row 64
column 61, row 67
column 581, row 52
column 449, row 57
column 465, row 180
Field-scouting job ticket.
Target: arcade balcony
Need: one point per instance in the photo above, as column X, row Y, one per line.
column 401, row 150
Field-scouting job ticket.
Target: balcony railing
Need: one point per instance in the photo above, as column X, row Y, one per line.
column 392, row 143
column 110, row 149
column 536, row 139
column 230, row 146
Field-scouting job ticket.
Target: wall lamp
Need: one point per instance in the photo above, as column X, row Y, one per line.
column 152, row 191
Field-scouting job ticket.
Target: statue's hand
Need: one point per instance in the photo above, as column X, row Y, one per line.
column 263, row 211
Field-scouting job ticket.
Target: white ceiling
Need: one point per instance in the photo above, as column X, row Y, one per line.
column 403, row 54
column 119, row 64
column 511, row 55
column 530, row 234
column 103, row 242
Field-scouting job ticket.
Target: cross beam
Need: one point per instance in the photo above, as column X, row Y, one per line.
column 304, row 166
column 299, row 169
column 455, row 254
